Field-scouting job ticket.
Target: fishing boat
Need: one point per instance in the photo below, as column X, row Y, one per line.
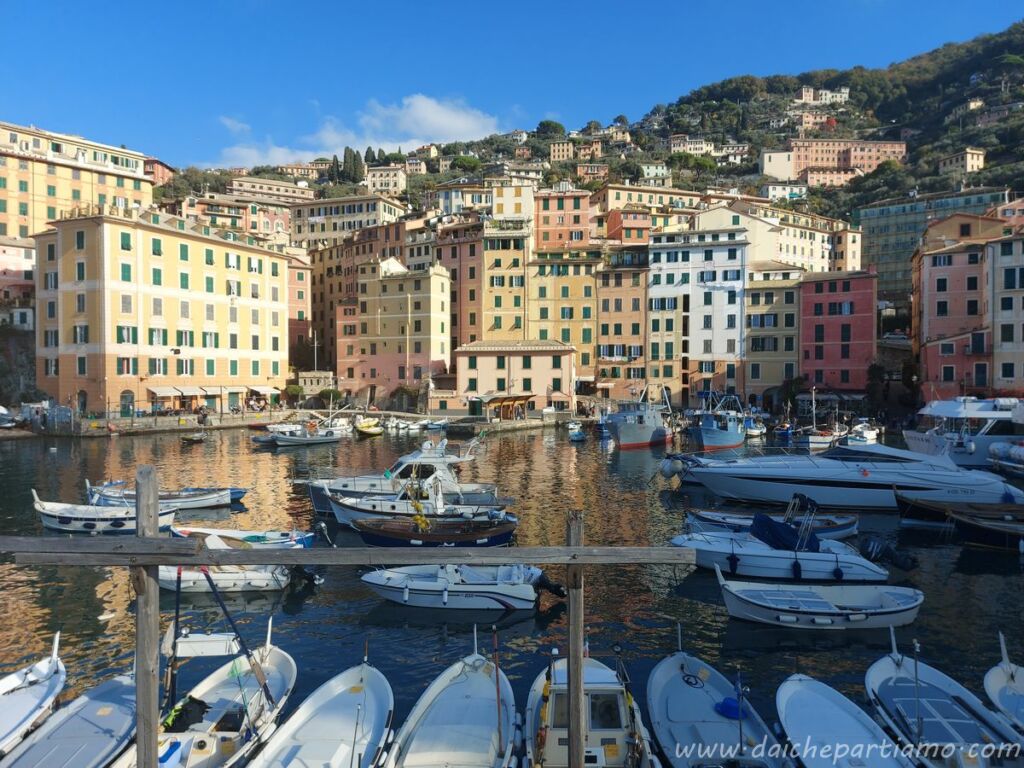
column 1006, row 532
column 465, row 587
column 614, row 732
column 720, row 425
column 27, row 697
column 815, row 437
column 754, row 427
column 964, row 428
column 778, row 551
column 815, row 717
column 89, row 732
column 118, row 495
column 89, row 518
column 817, row 606
column 437, row 424
column 927, row 709
column 424, row 532
column 249, row 539
column 694, row 707
column 800, row 509
column 1004, row 685
column 343, row 724
column 845, row 477
column 236, row 493
column 918, row 512
column 465, row 718
column 640, row 423
column 227, row 715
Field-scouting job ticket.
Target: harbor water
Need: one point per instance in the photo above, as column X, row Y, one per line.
column 970, row 595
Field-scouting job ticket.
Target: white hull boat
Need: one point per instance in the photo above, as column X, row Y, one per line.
column 925, row 707
column 813, row 606
column 695, row 718
column 343, row 724
column 227, row 578
column 1004, row 685
column 89, row 732
column 964, row 429
column 815, row 716
column 823, row 526
column 467, row 587
column 846, row 477
column 814, row 440
column 466, row 719
column 117, row 495
column 287, row 440
column 744, row 555
column 248, row 539
column 27, row 697
column 347, row 509
column 87, row 518
column 614, row 733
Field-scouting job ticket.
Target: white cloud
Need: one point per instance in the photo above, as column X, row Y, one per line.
column 234, row 126
column 416, row 120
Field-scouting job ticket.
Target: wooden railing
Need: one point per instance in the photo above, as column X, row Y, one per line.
column 147, row 551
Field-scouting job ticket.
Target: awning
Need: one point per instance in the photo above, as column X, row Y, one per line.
column 497, row 400
column 192, row 391
column 265, row 390
column 605, row 385
column 584, row 378
column 163, row 391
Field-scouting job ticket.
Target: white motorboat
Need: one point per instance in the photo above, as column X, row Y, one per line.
column 614, row 732
column 118, row 495
column 89, row 732
column 27, row 697
column 777, row 551
column 1004, row 685
column 467, row 587
column 929, row 709
column 754, row 427
column 574, row 426
column 465, row 718
column 817, row 606
column 699, row 718
column 799, row 511
column 815, row 716
column 964, row 428
column 226, row 716
column 315, row 437
column 88, row 518
column 846, row 477
column 343, row 724
column 227, row 578
column 248, row 539
column 863, row 432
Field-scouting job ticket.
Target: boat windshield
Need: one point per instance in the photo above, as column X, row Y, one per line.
column 844, row 453
column 404, row 471
column 606, row 710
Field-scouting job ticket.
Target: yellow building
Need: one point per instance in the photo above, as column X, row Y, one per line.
column 507, row 246
column 772, row 299
column 563, row 303
column 43, row 173
column 141, row 311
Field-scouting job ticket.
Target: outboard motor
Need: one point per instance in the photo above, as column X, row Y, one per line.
column 878, row 550
column 548, row 585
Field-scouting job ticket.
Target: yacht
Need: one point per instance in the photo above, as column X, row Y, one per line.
column 965, row 428
column 845, row 476
column 721, row 425
column 640, row 423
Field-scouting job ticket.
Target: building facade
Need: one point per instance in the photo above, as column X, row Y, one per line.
column 326, row 222
column 285, row 191
column 529, row 375
column 387, row 180
column 838, row 328
column 772, row 306
column 968, row 160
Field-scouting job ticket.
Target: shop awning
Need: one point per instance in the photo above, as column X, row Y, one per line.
column 584, row 378
column 492, row 400
column 265, row 390
column 163, row 391
column 192, row 391
column 605, row 385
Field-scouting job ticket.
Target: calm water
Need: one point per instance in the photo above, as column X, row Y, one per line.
column 969, row 595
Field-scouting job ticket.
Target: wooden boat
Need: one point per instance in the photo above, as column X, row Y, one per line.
column 236, row 493
column 435, row 425
column 118, row 495
column 465, row 718
column 616, row 736
column 87, row 733
column 815, row 716
column 468, row 587
column 195, row 437
column 226, row 716
column 1004, row 684
column 27, row 697
column 285, row 440
column 925, row 707
column 412, row 532
column 1005, row 532
column 343, row 724
column 88, row 518
column 693, row 707
column 249, row 539
column 824, row 526
column 918, row 512
column 815, row 606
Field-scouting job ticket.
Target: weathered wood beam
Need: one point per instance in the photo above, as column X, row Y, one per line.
column 122, row 545
column 147, row 623
column 574, row 586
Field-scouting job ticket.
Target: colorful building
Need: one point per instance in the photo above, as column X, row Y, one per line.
column 563, row 304
column 622, row 319
column 326, row 222
column 510, row 378
column 285, row 191
column 561, row 217
column 158, row 170
column 967, row 160
column 772, row 306
column 560, row 151
column 1005, row 282
column 838, row 328
column 389, row 180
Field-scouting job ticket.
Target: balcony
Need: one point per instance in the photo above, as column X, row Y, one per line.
column 972, row 350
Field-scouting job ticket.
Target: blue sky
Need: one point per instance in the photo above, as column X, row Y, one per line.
column 252, row 81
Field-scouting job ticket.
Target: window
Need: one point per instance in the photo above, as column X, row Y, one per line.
column 1007, row 371
column 126, row 241
column 972, row 306
column 471, row 385
column 183, row 252
column 940, row 285
column 183, row 281
column 972, row 283
column 1006, row 333
column 80, row 271
column 948, row 373
column 942, row 308
column 81, row 365
column 126, row 272
column 157, row 247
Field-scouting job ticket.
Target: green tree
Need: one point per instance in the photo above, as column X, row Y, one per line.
column 358, row 168
column 334, row 174
column 466, row 164
column 381, row 155
column 327, row 396
column 348, row 165
column 621, row 120
column 592, row 126
column 294, row 393
column 550, row 129
column 369, row 157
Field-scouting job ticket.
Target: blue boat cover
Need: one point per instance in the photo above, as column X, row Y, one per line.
column 781, row 535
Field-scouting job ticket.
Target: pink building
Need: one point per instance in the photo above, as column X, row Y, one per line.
column 561, row 217
column 299, row 301
column 514, row 378
column 159, row 170
column 630, row 225
column 838, row 328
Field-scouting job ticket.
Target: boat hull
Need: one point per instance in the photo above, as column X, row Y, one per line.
column 395, row 533
column 184, row 500
column 631, row 435
column 227, row 578
column 100, row 523
column 990, row 533
column 824, row 526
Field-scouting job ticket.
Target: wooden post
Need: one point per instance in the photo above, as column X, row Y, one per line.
column 147, row 622
column 574, row 583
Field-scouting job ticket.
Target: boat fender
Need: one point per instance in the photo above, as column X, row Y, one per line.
column 798, row 570
column 970, row 446
column 444, row 596
column 837, row 573
column 666, row 469
column 405, row 594
column 730, row 708
column 734, row 562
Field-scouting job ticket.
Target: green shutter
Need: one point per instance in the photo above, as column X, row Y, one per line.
column 209, row 285
column 183, row 252
column 183, row 281
column 209, row 256
column 158, row 277
column 126, row 272
column 211, row 366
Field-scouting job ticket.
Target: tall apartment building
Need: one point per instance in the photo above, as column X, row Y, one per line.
column 561, row 217
column 266, row 218
column 892, row 230
column 300, row 301
column 1005, row 279
column 508, row 249
column 326, row 222
column 386, row 179
column 285, row 191
column 816, row 243
column 399, row 337
column 843, row 157
column 563, row 304
column 838, row 328
column 460, row 245
column 772, row 301
column 44, row 173
column 622, row 319
column 668, row 310
column 460, row 195
column 141, row 311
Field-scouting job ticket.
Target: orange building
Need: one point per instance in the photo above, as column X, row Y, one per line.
column 561, row 216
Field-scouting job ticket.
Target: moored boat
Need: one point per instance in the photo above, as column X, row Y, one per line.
column 964, row 428
column 801, row 510
column 1004, row 685
column 319, row 437
column 118, row 495
column 195, row 437
column 467, row 587
column 1006, row 532
column 27, row 697
column 721, row 425
column 249, row 539
column 639, row 423
column 89, row 518
column 918, row 512
column 423, row 532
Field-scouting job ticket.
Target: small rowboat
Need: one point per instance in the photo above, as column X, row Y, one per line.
column 117, row 495
column 88, row 518
column 397, row 532
column 227, row 578
column 195, row 437
column 369, row 427
column 917, row 512
column 822, row 526
column 1004, row 684
column 236, row 493
column 249, row 539
column 310, row 438
column 810, row 606
column 989, row 530
column 477, row 587
column 27, row 697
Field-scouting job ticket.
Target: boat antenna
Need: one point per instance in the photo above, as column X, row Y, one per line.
column 497, row 682
column 917, row 695
column 171, row 673
column 679, row 636
column 740, row 693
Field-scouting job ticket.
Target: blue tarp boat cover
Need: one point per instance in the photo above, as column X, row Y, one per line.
column 781, row 535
